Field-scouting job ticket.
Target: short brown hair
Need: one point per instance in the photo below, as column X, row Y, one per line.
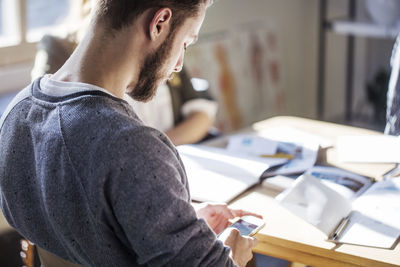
column 120, row 13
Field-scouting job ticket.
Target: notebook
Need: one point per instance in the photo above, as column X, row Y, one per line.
column 218, row 175
column 370, row 217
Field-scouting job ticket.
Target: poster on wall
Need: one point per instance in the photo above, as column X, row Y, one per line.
column 244, row 70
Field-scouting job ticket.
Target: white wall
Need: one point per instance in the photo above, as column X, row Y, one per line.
column 297, row 23
column 15, row 77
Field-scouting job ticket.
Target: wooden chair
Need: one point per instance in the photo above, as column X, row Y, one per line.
column 50, row 260
column 27, row 253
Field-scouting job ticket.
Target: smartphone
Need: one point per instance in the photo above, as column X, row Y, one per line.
column 248, row 225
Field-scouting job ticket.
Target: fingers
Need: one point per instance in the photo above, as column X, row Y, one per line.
column 253, row 241
column 220, row 223
column 218, row 215
column 223, row 208
column 232, row 236
column 241, row 246
column 226, row 211
column 241, row 213
column 229, row 237
column 244, row 254
column 248, row 253
column 212, row 209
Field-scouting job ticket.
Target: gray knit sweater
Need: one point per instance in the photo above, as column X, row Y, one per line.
column 83, row 178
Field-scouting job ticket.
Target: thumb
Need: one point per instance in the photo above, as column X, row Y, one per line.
column 229, row 236
column 254, row 241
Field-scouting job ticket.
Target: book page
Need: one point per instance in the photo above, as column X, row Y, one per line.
column 252, row 145
column 316, row 203
column 348, row 184
column 215, row 174
column 304, row 147
column 375, row 220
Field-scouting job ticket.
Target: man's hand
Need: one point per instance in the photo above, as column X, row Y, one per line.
column 241, row 246
column 218, row 215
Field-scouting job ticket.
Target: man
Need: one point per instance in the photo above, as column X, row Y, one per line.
column 83, row 178
column 177, row 109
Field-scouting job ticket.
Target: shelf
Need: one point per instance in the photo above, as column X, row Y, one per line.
column 363, row 29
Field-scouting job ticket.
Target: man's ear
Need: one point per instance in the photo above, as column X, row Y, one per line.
column 160, row 23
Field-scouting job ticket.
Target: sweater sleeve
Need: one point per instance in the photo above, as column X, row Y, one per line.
column 151, row 202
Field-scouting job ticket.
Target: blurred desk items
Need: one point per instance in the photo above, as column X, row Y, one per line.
column 289, row 237
column 370, row 219
column 301, row 149
column 220, row 174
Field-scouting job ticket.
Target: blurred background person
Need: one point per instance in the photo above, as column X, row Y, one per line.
column 393, row 94
column 178, row 110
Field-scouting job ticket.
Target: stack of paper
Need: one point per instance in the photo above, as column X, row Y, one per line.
column 369, row 149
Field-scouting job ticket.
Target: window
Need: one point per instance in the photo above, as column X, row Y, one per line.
column 1, row 17
column 23, row 23
column 42, row 14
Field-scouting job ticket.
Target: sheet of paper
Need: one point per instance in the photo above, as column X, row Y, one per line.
column 252, row 145
column 216, row 174
column 316, row 203
column 370, row 149
column 289, row 134
column 375, row 219
column 348, row 184
column 304, row 146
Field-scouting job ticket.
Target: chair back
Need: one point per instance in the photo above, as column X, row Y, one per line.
column 50, row 260
column 27, row 253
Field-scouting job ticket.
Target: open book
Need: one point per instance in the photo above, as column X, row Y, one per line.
column 300, row 147
column 369, row 217
column 304, row 145
column 219, row 175
column 348, row 184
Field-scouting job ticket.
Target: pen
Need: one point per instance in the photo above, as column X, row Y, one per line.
column 278, row 155
column 339, row 230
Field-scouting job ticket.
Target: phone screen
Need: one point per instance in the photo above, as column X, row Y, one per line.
column 245, row 228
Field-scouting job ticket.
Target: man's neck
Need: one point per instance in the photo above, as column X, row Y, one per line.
column 103, row 61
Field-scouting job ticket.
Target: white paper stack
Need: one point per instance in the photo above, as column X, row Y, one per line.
column 369, row 149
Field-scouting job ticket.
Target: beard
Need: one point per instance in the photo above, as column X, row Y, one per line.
column 151, row 74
